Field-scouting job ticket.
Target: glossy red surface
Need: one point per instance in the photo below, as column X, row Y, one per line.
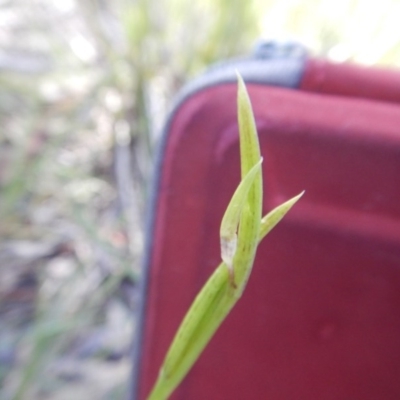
column 320, row 318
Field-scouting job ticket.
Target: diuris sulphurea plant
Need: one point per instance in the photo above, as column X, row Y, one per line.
column 242, row 229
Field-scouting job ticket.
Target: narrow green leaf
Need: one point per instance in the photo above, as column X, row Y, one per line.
column 269, row 221
column 249, row 145
column 250, row 217
column 231, row 218
column 208, row 310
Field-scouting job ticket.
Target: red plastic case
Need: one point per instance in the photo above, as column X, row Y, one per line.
column 320, row 318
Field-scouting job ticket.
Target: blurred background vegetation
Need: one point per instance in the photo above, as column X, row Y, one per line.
column 85, row 88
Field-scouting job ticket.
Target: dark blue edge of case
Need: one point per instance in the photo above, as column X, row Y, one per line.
column 272, row 63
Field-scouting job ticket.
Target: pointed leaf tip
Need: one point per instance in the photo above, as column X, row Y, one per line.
column 273, row 217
